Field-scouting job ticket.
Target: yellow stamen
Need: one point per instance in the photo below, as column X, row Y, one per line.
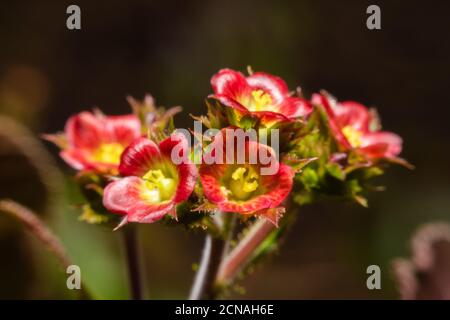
column 158, row 187
column 108, row 153
column 260, row 101
column 353, row 136
column 243, row 182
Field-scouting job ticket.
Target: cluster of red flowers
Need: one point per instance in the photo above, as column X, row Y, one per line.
column 144, row 184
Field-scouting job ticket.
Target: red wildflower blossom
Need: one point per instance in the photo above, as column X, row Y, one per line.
column 153, row 184
column 243, row 188
column 260, row 94
column 355, row 127
column 95, row 142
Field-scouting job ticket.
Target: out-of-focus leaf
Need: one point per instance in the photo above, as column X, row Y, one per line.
column 336, row 171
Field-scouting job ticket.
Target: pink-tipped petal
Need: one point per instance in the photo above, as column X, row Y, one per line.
column 80, row 160
column 234, row 90
column 273, row 85
column 187, row 174
column 232, row 103
column 123, row 129
column 268, row 117
column 138, row 157
column 350, row 113
column 320, row 99
column 84, row 130
column 333, row 123
column 74, row 159
column 124, row 197
column 228, row 82
column 175, row 146
column 293, row 107
column 381, row 144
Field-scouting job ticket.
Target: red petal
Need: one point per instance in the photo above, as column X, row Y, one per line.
column 209, row 176
column 79, row 159
column 320, row 99
column 124, row 197
column 230, row 102
column 123, row 129
column 279, row 186
column 247, row 207
column 187, row 175
column 268, row 117
column 84, row 130
column 75, row 159
column 273, row 85
column 350, row 113
column 187, row 171
column 138, row 157
column 335, row 128
column 267, row 152
column 177, row 140
column 381, row 144
column 230, row 83
column 293, row 107
column 231, row 87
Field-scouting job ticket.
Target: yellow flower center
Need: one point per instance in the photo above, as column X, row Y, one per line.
column 108, row 153
column 353, row 136
column 243, row 182
column 260, row 100
column 158, row 187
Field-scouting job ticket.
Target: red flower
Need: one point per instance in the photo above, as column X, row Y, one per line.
column 153, row 184
column 95, row 142
column 260, row 94
column 351, row 125
column 243, row 187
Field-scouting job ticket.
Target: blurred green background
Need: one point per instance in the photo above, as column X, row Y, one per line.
column 171, row 49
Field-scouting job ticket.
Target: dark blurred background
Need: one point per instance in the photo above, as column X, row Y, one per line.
column 171, row 49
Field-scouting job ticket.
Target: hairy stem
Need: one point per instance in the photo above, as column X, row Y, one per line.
column 207, row 272
column 214, row 250
column 40, row 230
column 37, row 228
column 133, row 262
column 238, row 257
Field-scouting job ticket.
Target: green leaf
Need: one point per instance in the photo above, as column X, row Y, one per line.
column 309, row 178
column 247, row 122
column 90, row 216
column 336, row 171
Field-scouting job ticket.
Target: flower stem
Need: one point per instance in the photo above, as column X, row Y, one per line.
column 203, row 287
column 238, row 257
column 214, row 250
column 133, row 261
